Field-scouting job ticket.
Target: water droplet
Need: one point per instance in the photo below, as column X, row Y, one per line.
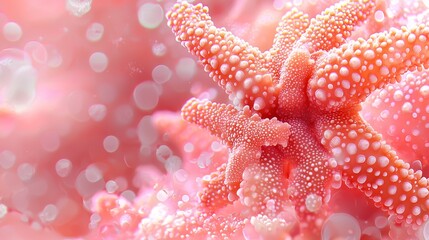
column 128, row 195
column 63, row 167
column 181, row 175
column 95, row 32
column 150, row 15
column 341, row 226
column 98, row 62
column 111, row 144
column 79, row 7
column 12, row 31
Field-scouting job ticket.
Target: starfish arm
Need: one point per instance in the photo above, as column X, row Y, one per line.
column 333, row 26
column 242, row 132
column 370, row 165
column 215, row 194
column 311, row 176
column 240, row 69
column 405, row 105
column 290, row 29
column 346, row 76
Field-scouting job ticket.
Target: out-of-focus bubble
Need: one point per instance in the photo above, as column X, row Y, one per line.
column 341, row 226
column 173, row 164
column 159, row 49
column 111, row 186
column 111, row 144
column 163, row 152
column 124, row 115
column 37, row 51
column 129, row 195
column 161, row 74
column 49, row 213
column 379, row 16
column 426, row 230
column 87, row 188
column 78, row 7
column 146, row 95
column 162, row 195
column 93, row 173
column 150, row 15
column 63, row 167
column 17, row 80
column 95, row 32
column 26, row 171
column 146, row 131
column 97, row 112
column 7, row 159
column 186, row 68
column 98, row 62
column 12, row 31
column 55, row 59
column 3, row 210
column 50, row 141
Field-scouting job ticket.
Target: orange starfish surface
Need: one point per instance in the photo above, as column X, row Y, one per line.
column 294, row 128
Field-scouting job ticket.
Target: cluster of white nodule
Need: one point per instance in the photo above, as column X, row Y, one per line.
column 17, row 80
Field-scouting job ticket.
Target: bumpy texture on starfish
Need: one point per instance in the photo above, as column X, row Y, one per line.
column 313, row 81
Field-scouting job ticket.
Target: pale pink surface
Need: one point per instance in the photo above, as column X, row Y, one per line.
column 59, row 123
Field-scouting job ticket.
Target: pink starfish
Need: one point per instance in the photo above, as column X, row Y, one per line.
column 313, row 80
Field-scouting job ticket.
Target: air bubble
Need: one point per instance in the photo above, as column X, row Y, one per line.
column 7, row 159
column 162, row 195
column 426, row 230
column 186, row 68
column 146, row 131
column 111, row 186
column 95, row 32
column 79, row 7
column 26, row 171
column 98, row 62
column 161, row 74
column 181, row 175
column 37, row 51
column 97, row 112
column 63, row 167
column 173, row 164
column 163, row 152
column 49, row 213
column 159, row 49
column 129, row 195
column 12, row 31
column 341, row 226
column 111, row 144
column 146, row 96
column 313, row 202
column 379, row 16
column 93, row 174
column 150, row 15
column 3, row 210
